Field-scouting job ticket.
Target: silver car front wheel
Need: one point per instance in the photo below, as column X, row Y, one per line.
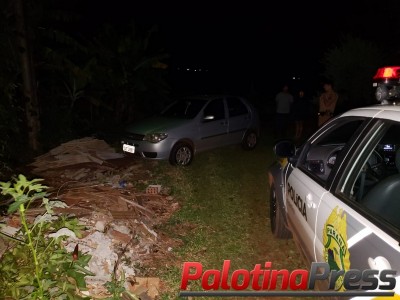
column 181, row 154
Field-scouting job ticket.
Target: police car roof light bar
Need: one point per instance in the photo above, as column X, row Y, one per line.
column 387, row 83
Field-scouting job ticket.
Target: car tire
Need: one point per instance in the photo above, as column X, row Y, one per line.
column 250, row 140
column 278, row 226
column 181, row 154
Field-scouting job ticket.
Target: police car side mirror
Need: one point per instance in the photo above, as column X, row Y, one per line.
column 285, row 148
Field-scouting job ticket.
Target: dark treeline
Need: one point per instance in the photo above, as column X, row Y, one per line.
column 71, row 69
column 60, row 80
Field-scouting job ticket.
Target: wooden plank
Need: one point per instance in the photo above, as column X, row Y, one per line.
column 123, row 214
column 137, row 205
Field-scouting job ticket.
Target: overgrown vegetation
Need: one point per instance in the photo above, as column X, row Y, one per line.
column 86, row 80
column 37, row 266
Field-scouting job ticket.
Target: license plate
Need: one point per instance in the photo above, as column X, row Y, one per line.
column 128, row 148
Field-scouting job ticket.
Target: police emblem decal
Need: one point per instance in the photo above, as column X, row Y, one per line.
column 336, row 252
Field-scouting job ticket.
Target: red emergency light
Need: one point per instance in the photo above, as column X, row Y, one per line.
column 387, row 73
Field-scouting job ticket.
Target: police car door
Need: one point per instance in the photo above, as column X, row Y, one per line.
column 309, row 180
column 358, row 223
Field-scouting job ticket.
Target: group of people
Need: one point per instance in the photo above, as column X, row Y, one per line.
column 299, row 109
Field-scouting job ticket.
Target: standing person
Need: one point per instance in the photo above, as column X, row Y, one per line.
column 301, row 109
column 283, row 101
column 327, row 104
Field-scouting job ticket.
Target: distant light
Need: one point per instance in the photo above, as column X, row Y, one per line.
column 187, row 69
column 294, row 78
column 199, row 70
column 195, row 70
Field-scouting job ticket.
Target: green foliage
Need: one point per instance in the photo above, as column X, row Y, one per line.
column 116, row 286
column 84, row 84
column 104, row 82
column 70, row 223
column 37, row 267
column 127, row 70
column 23, row 191
column 351, row 66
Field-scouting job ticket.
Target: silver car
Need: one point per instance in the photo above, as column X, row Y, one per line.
column 194, row 124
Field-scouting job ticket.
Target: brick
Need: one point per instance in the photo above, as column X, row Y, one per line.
column 153, row 189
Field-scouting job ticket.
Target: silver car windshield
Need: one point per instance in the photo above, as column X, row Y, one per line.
column 184, row 108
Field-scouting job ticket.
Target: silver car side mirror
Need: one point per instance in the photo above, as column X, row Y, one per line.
column 208, row 118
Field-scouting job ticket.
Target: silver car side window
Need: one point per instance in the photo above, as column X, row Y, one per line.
column 215, row 109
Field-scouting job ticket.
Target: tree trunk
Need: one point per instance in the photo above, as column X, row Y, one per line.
column 28, row 77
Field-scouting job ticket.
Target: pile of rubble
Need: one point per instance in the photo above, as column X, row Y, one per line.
column 75, row 159
column 108, row 194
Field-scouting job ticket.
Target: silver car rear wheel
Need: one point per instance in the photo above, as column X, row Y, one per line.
column 181, row 154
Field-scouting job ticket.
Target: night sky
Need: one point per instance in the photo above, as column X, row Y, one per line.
column 249, row 44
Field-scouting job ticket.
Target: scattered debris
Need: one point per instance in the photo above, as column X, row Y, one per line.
column 9, row 230
column 90, row 181
column 153, row 189
column 63, row 232
column 146, row 286
column 75, row 153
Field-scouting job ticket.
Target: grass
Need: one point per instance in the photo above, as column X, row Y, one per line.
column 224, row 214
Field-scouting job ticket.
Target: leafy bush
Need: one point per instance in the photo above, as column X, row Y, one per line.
column 38, row 267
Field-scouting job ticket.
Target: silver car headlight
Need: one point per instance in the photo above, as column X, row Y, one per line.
column 155, row 137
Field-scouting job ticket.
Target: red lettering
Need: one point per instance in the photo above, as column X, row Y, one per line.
column 261, row 278
column 256, row 273
column 235, row 279
column 303, row 284
column 274, row 279
column 215, row 278
column 186, row 275
column 265, row 282
column 225, row 273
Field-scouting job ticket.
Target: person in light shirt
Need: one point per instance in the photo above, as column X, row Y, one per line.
column 284, row 101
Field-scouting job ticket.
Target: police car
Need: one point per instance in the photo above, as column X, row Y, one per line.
column 338, row 195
